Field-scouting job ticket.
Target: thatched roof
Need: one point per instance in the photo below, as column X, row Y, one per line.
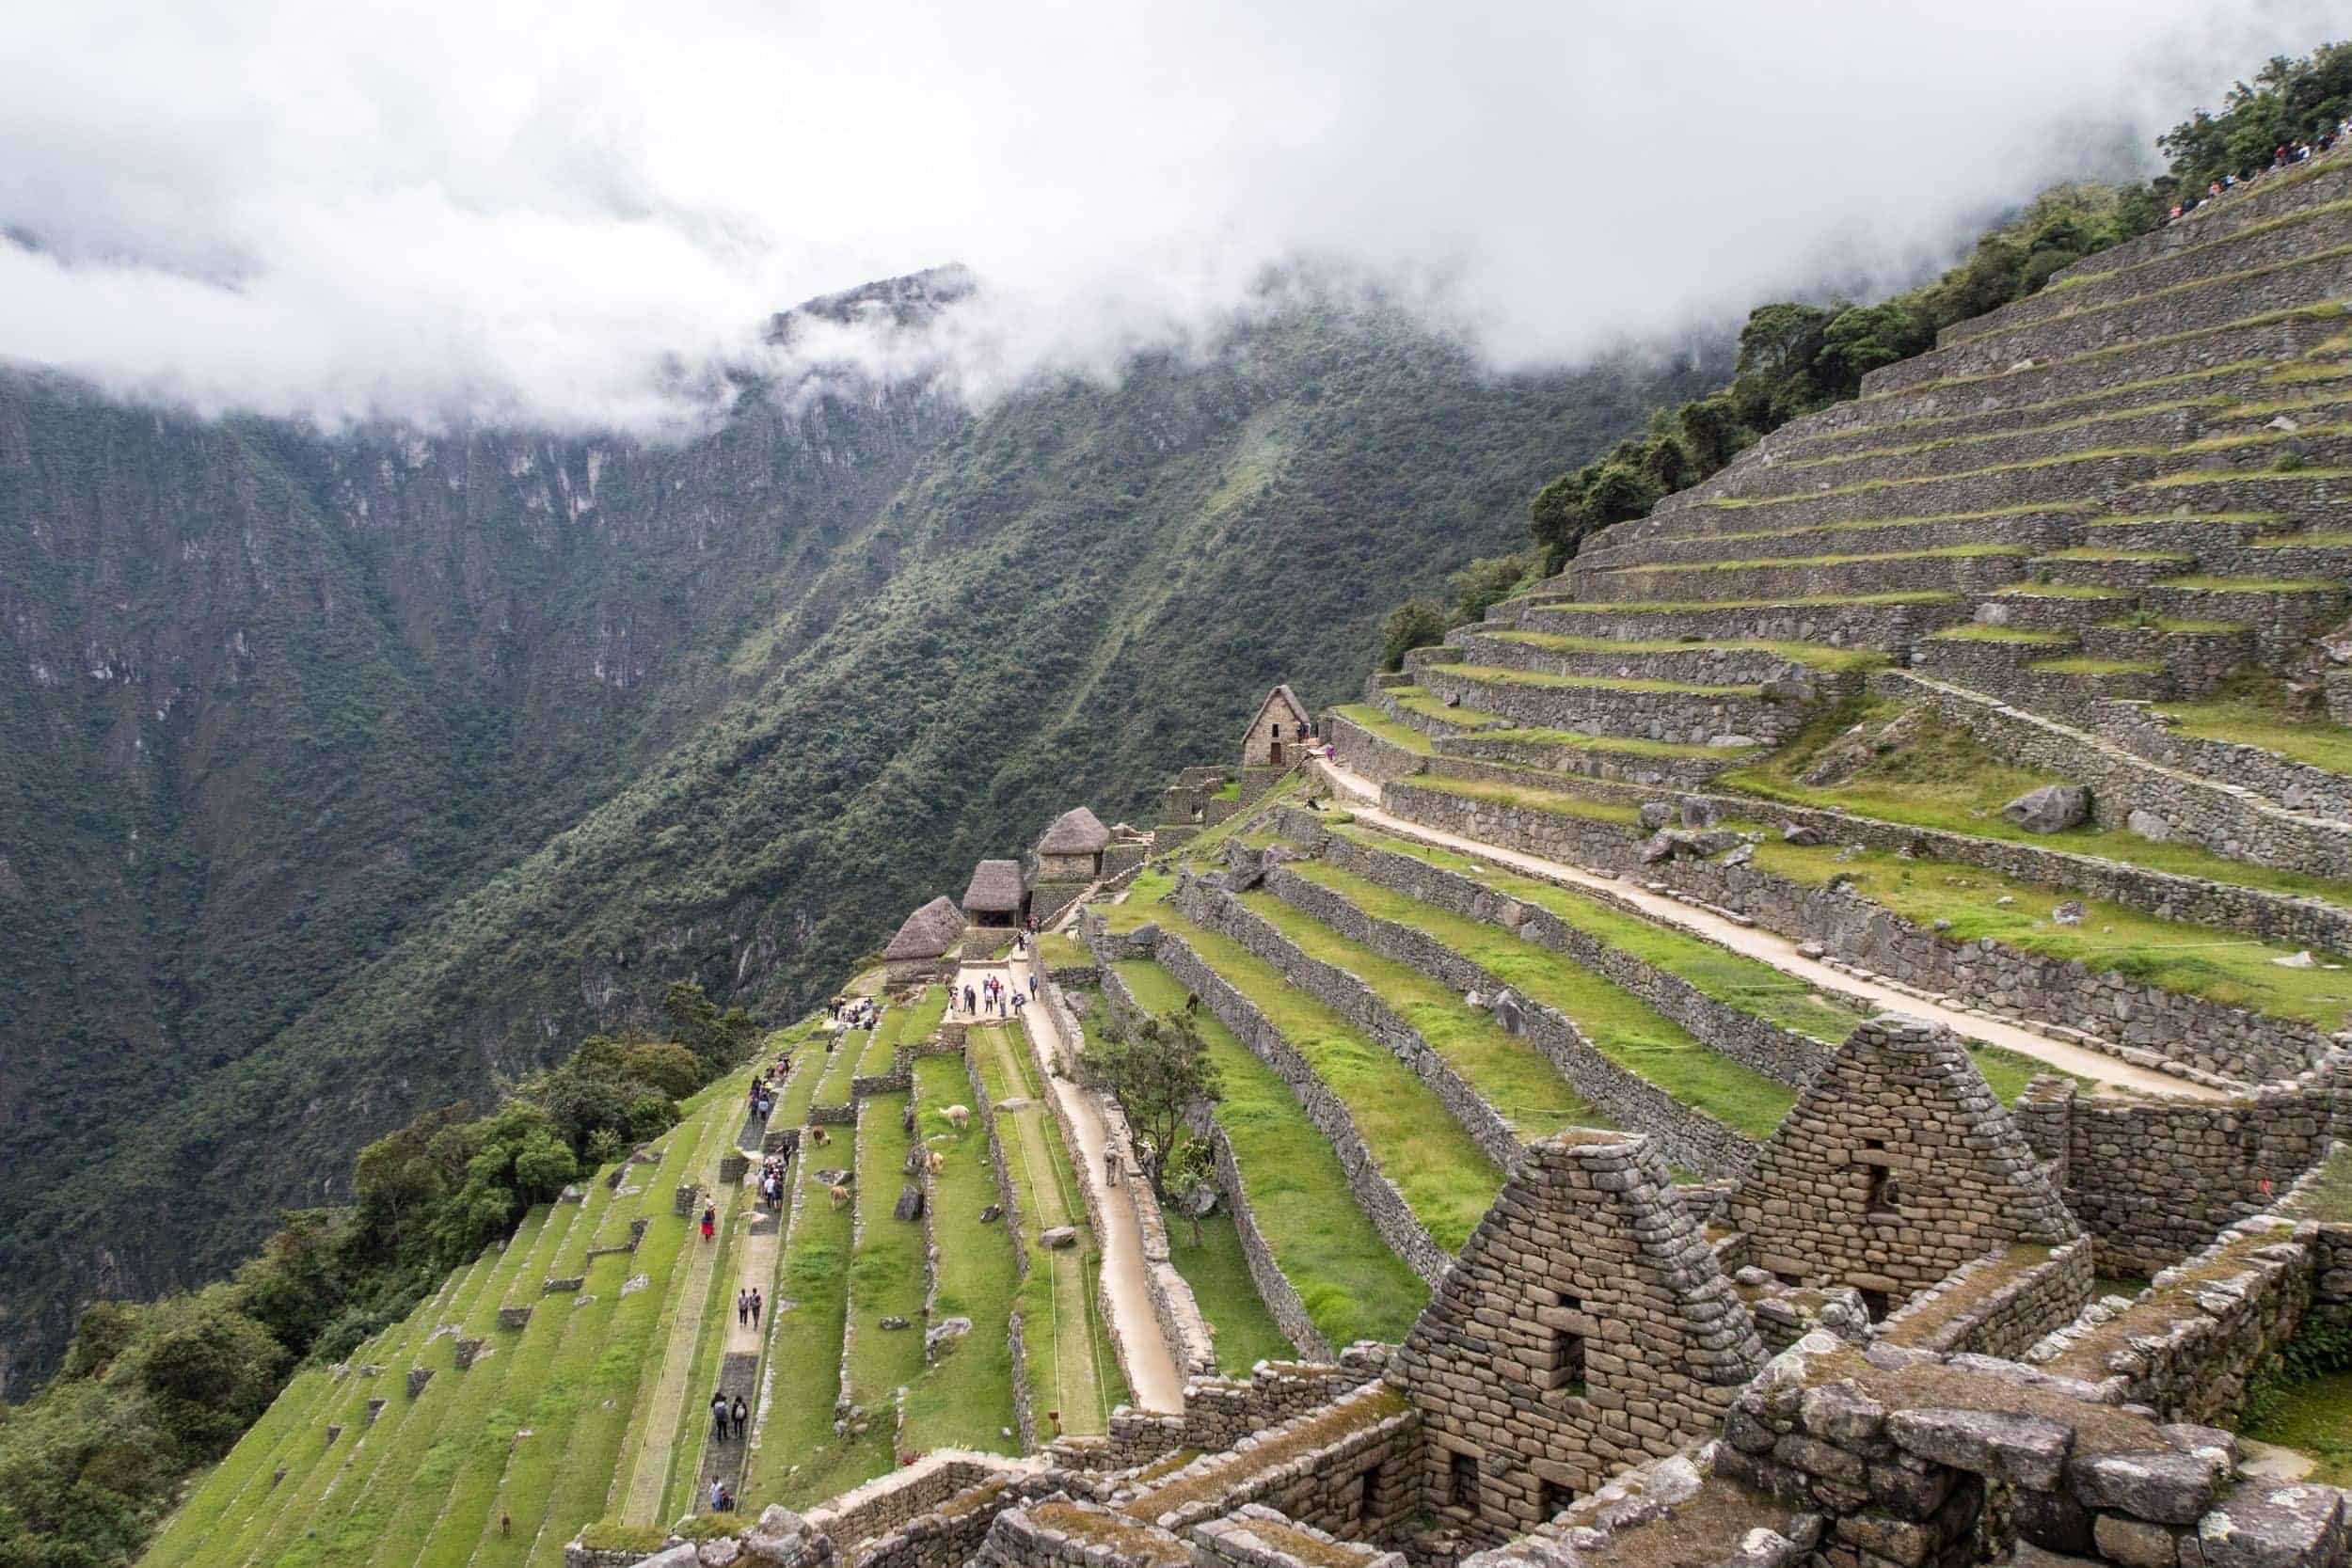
column 928, row 932
column 996, row 888
column 1076, row 831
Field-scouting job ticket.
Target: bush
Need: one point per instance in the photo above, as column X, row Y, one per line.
column 1414, row 623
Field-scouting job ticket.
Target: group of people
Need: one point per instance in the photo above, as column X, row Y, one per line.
column 748, row 1304
column 772, row 1187
column 722, row 1500
column 2285, row 155
column 729, row 1422
column 855, row 1012
column 995, row 998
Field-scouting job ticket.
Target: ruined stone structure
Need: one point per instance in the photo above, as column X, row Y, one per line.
column 925, row 946
column 1278, row 731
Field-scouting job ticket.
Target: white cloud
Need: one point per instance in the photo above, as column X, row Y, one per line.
column 527, row 210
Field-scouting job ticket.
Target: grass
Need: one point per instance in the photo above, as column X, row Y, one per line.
column 1945, row 779
column 2088, row 666
column 848, row 1048
column 2174, row 626
column 2268, row 226
column 1413, row 699
column 1445, row 1179
column 1260, row 812
column 1072, row 1368
column 1816, row 655
column 1943, row 552
column 1978, row 632
column 1141, row 906
column 1658, row 606
column 1351, row 1284
column 1747, row 984
column 795, row 1434
column 2058, row 591
column 2314, row 1417
column 908, row 1023
column 1060, row 950
column 1497, row 676
column 1533, row 798
column 886, row 1267
column 2209, row 583
column 1620, row 1025
column 1365, row 717
column 1944, row 443
column 2234, row 476
column 2260, row 318
column 1240, row 1327
column 2093, row 552
column 965, row 1399
column 1866, row 487
column 1623, row 745
column 2138, row 302
column 2251, row 712
column 1500, row 1069
column 2149, row 384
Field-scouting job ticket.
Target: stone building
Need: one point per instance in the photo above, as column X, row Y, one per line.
column 925, row 948
column 995, row 905
column 1072, row 848
column 1278, row 732
column 1898, row 1165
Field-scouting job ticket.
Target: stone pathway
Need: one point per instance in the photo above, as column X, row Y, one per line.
column 1151, row 1371
column 1780, row 951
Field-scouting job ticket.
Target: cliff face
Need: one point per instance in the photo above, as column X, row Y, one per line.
column 340, row 775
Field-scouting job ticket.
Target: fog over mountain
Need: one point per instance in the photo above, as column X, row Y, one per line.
column 573, row 215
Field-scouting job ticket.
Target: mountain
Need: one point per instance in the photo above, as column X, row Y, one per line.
column 342, row 774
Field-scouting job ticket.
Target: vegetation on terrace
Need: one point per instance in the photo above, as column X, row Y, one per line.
column 1620, row 1025
column 1351, row 1284
column 2254, row 710
column 965, row 1399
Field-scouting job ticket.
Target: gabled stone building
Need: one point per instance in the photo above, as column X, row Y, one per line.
column 995, row 905
column 1278, row 732
column 925, row 948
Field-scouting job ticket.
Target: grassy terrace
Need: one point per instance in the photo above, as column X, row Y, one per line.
column 1946, row 443
column 1060, row 950
column 2252, row 710
column 2208, row 582
column 1072, row 1366
column 1503, row 1070
column 1364, row 716
column 1945, row 779
column 1577, row 740
column 2261, row 318
column 1867, row 486
column 1621, row 1026
column 2269, row 225
column 1494, row 675
column 1662, row 607
column 1413, row 699
column 1978, row 632
column 1816, row 655
column 2153, row 296
column 2087, row 666
column 1747, row 984
column 965, row 1399
column 1353, row 1287
column 848, row 1049
column 1446, row 1180
column 1945, row 553
column 2148, row 384
column 885, row 1278
column 1241, row 1328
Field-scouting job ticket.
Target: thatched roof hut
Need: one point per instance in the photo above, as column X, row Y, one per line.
column 996, row 888
column 1076, row 831
column 928, row 932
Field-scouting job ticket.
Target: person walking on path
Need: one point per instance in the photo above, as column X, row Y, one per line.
column 743, row 1417
column 1032, row 986
column 756, row 1303
column 719, row 1417
column 743, row 1307
column 710, row 1221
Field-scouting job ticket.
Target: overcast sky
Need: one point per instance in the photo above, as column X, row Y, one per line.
column 547, row 210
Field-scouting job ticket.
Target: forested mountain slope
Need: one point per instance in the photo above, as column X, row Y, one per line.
column 339, row 776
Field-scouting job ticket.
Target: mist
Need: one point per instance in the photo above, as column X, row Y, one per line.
column 574, row 215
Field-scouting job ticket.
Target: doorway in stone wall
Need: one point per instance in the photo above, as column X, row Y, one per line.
column 1274, row 752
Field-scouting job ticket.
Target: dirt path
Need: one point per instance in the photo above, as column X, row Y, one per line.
column 1780, row 951
column 1152, row 1371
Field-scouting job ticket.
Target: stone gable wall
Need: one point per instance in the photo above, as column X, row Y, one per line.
column 1961, row 1182
column 1587, row 1245
column 1998, row 1306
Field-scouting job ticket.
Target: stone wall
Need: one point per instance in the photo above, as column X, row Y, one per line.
column 1089, row 1190
column 1890, row 625
column 2154, row 1179
column 1691, row 1138
column 2000, row 1305
column 1694, row 716
column 1363, row 753
column 2204, row 810
column 1588, row 1327
column 2039, row 531
column 1896, row 1166
column 1777, row 1053
column 1343, row 1466
column 1255, row 1536
column 1382, row 1204
column 1219, row 1412
column 1016, row 1236
column 1855, row 574
column 2140, row 1023
column 889, row 1502
column 2294, row 786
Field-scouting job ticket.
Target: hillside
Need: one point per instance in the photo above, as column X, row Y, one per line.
column 375, row 766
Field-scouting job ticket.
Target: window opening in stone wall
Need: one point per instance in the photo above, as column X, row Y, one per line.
column 1367, row 1497
column 1555, row 1497
column 1884, row 1193
column 1567, row 1357
column 1462, row 1482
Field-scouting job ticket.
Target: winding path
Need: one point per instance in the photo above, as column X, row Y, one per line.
column 1153, row 1373
column 1754, row 942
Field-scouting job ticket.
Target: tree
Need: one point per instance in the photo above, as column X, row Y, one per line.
column 718, row 1039
column 1187, row 1173
column 1414, row 623
column 1157, row 1070
column 1864, row 336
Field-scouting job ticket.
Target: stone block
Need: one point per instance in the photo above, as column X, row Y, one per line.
column 2165, row 1487
column 417, row 1378
column 2275, row 1526
column 2024, row 1451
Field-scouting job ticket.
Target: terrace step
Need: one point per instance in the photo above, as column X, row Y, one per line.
column 1720, row 663
column 1882, row 620
column 1413, row 707
column 2043, row 530
column 1644, row 711
column 1597, row 756
column 2197, row 656
column 2051, row 607
column 1960, row 569
column 2320, row 555
column 2092, row 566
column 2183, row 532
column 2282, row 612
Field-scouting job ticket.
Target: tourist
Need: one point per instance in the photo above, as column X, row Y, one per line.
column 742, row 1415
column 756, row 1304
column 1110, row 1166
column 743, row 1307
column 719, row 1417
column 718, row 1496
column 710, row 1221
column 1033, row 984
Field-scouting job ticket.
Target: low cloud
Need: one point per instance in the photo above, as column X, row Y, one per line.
column 573, row 215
